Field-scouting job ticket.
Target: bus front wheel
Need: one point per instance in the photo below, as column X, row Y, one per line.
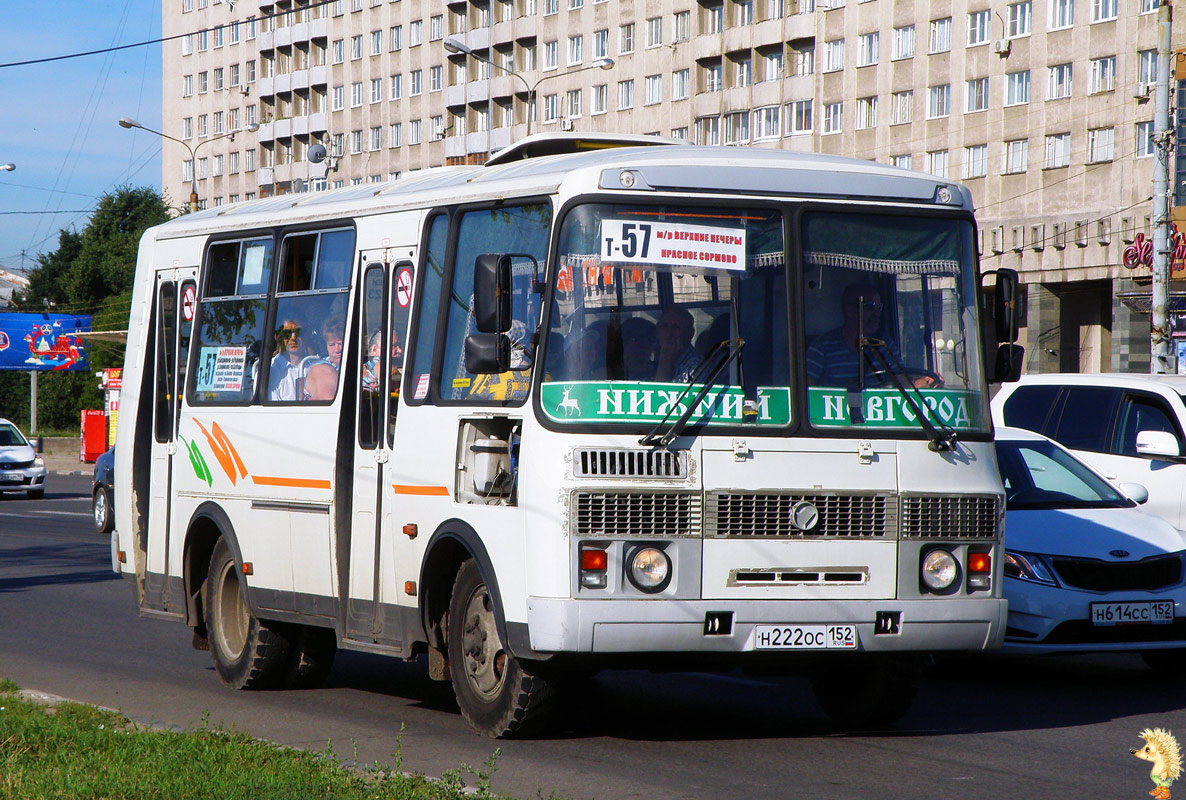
column 498, row 695
column 247, row 653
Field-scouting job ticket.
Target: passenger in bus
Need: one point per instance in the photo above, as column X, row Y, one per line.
column 833, row 357
column 370, row 367
column 638, row 349
column 321, row 377
column 285, row 370
column 677, row 359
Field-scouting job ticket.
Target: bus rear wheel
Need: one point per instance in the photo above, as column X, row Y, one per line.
column 498, row 695
column 248, row 653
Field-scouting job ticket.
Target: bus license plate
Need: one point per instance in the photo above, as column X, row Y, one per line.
column 1156, row 612
column 805, row 637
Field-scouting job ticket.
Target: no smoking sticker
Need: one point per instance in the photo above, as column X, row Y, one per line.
column 187, row 303
column 403, row 287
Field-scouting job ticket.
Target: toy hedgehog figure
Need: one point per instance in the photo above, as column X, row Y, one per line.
column 1162, row 749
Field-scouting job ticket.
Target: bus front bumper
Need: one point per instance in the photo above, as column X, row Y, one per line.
column 652, row 626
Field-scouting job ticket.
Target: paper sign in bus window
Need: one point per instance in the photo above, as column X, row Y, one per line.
column 221, row 369
column 672, row 244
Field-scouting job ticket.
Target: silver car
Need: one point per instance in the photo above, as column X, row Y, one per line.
column 21, row 468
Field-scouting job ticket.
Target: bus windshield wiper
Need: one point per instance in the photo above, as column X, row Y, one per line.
column 940, row 440
column 730, row 348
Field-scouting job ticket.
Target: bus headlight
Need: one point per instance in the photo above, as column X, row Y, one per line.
column 939, row 570
column 649, row 569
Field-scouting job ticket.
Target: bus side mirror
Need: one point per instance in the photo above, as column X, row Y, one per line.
column 1007, row 368
column 1005, row 305
column 492, row 293
column 487, row 353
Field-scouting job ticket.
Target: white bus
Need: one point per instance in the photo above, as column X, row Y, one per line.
column 593, row 404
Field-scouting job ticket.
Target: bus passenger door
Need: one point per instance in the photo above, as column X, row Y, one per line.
column 175, row 303
column 371, row 615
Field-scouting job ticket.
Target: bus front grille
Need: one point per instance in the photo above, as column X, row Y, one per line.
column 769, row 514
column 951, row 516
column 645, row 514
column 595, row 462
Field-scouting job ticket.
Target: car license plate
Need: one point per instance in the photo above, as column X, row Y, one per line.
column 805, row 637
column 1156, row 612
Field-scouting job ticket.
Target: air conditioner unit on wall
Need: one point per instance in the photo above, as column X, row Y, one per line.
column 1002, row 47
column 566, row 124
column 1141, row 90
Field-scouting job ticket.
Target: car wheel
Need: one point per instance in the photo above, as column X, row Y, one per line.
column 35, row 494
column 498, row 695
column 248, row 653
column 101, row 508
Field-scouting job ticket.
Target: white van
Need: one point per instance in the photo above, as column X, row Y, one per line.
column 1128, row 426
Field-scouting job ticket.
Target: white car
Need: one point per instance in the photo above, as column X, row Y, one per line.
column 1085, row 569
column 21, row 468
column 1128, row 426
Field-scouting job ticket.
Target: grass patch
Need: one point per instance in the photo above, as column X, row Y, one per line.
column 70, row 750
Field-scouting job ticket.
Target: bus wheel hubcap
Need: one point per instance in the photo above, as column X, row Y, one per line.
column 485, row 658
column 232, row 613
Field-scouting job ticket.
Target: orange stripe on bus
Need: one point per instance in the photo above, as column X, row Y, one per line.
column 295, row 483
column 435, row 491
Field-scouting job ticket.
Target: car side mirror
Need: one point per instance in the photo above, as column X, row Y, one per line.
column 1157, row 444
column 487, row 353
column 1135, row 492
column 492, row 293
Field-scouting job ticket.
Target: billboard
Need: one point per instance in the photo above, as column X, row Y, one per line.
column 43, row 341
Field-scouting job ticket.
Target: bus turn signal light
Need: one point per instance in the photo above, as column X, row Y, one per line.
column 247, row 568
column 979, row 570
column 594, row 563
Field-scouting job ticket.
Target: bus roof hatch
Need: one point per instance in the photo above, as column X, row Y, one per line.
column 553, row 144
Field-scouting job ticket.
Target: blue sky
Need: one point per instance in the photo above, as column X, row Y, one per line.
column 59, row 120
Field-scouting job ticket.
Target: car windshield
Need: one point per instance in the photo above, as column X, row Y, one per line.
column 10, row 436
column 1041, row 475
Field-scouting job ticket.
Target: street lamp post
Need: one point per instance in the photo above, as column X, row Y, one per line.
column 9, row 167
column 454, row 46
column 128, row 122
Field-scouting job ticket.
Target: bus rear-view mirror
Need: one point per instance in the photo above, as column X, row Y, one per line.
column 492, row 293
column 487, row 353
column 1005, row 305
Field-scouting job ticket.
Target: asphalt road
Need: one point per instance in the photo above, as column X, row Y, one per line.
column 990, row 727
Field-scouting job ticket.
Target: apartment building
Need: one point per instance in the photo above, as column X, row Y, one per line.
column 1043, row 108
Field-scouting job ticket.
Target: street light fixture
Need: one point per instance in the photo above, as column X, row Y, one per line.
column 454, row 46
column 128, row 122
column 9, row 167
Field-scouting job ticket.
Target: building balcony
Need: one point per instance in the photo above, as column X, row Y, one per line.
column 282, row 84
column 455, row 95
column 299, row 32
column 264, row 176
column 282, row 128
column 319, row 76
column 265, row 87
column 299, row 79
column 318, row 122
column 282, row 37
column 707, row 47
column 318, row 28
column 265, row 40
column 265, row 133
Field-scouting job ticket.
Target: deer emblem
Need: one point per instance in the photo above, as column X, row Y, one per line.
column 568, row 404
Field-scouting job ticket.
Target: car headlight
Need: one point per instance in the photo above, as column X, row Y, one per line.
column 649, row 569
column 1028, row 567
column 939, row 570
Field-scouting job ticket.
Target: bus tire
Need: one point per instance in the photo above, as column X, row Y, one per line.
column 498, row 695
column 867, row 690
column 248, row 653
column 312, row 656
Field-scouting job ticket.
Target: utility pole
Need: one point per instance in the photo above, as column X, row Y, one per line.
column 1159, row 336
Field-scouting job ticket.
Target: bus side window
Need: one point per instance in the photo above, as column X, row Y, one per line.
column 431, row 274
column 230, row 322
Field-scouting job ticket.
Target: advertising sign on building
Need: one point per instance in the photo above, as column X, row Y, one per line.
column 43, row 341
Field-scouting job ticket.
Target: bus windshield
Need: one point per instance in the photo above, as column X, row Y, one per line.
column 650, row 299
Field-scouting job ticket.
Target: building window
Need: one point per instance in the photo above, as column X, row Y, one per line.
column 1059, row 85
column 415, row 33
column 654, row 32
column 1101, row 10
column 356, row 47
column 600, row 100
column 187, row 44
column 1062, row 14
column 903, row 43
column 376, row 43
column 397, row 37
column 805, row 60
column 626, row 38
column 772, row 66
column 436, row 27
column 902, row 108
column 356, row 94
column 680, row 84
column 436, row 78
column 1058, row 150
column 572, row 103
column 551, row 55
column 737, row 127
column 551, row 108
column 355, row 142
column 396, row 137
column 715, row 19
column 680, row 133
column 767, row 122
column 866, row 113
column 1103, row 75
column 625, row 94
column 1145, row 146
column 798, row 117
column 415, row 131
column 417, row 86
column 600, row 44
column 744, row 76
column 338, row 49
column 976, row 161
column 867, row 47
column 940, row 35
column 902, row 161
column 834, row 55
column 1149, row 6
column 187, row 85
column 1099, row 144
column 743, row 12
column 979, row 27
column 1016, row 156
column 1019, row 20
column 376, row 90
column 976, row 91
column 712, row 78
column 937, row 163
column 833, row 117
column 576, row 49
column 938, row 101
column 397, row 86
column 1147, row 67
column 1017, row 88
column 376, row 138
column 708, row 130
column 681, row 26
